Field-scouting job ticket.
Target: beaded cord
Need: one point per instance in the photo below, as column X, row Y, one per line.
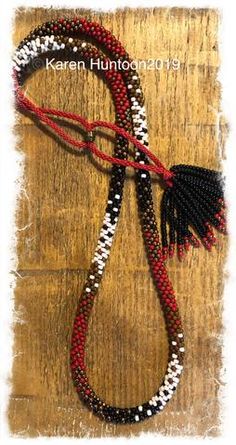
column 177, row 221
column 62, row 36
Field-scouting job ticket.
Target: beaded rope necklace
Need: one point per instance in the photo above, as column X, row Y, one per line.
column 193, row 196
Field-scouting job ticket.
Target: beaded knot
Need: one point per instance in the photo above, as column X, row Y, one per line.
column 90, row 136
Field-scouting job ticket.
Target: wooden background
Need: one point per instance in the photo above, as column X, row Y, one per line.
column 59, row 214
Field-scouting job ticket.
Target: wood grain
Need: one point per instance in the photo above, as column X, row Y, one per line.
column 59, row 214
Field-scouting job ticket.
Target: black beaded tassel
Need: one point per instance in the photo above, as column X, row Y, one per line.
column 191, row 206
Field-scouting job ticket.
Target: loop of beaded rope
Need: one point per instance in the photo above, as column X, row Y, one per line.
column 63, row 36
column 41, row 113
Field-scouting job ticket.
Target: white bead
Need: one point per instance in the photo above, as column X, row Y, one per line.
column 83, row 45
column 180, row 335
column 88, row 289
column 16, row 60
column 92, row 277
column 143, row 175
column 140, row 408
column 175, row 379
column 70, row 40
column 174, row 343
column 115, row 209
column 117, row 196
column 62, row 45
column 149, row 412
column 136, row 418
column 181, row 349
column 75, row 49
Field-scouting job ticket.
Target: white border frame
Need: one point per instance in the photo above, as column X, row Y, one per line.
column 10, row 174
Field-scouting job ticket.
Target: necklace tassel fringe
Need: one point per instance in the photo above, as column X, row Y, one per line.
column 191, row 207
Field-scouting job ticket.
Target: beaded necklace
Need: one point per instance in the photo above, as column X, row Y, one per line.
column 193, row 196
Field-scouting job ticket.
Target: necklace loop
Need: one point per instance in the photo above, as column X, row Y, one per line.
column 193, row 197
